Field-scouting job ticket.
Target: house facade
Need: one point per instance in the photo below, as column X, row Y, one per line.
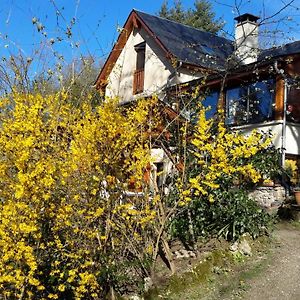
column 152, row 54
column 258, row 89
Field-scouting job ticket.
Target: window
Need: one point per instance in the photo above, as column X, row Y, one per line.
column 138, row 76
column 250, row 103
column 293, row 104
column 209, row 100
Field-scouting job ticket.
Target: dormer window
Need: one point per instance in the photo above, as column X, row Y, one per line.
column 138, row 76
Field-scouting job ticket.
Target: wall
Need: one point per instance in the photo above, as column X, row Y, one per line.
column 158, row 70
column 120, row 79
column 292, row 143
column 246, row 35
column 293, row 138
column 159, row 156
column 268, row 197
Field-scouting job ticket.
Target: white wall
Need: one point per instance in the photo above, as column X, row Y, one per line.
column 157, row 74
column 120, row 80
column 158, row 155
column 157, row 68
column 292, row 141
column 293, row 138
column 246, row 38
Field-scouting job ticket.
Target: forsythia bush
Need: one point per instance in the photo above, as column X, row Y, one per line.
column 221, row 155
column 69, row 228
column 66, row 225
column 223, row 163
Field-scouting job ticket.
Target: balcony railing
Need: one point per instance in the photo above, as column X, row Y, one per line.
column 138, row 81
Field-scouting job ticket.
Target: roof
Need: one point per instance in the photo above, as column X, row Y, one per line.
column 284, row 50
column 188, row 44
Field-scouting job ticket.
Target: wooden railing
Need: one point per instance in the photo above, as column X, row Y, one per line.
column 138, row 81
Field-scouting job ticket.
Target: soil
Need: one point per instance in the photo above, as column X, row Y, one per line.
column 272, row 276
column 272, row 273
column 280, row 279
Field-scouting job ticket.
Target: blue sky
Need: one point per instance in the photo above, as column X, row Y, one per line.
column 96, row 23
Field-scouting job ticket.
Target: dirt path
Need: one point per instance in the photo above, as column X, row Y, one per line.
column 280, row 279
column 273, row 273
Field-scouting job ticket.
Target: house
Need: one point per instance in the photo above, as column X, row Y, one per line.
column 256, row 88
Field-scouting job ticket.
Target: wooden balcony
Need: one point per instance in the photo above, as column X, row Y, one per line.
column 138, row 81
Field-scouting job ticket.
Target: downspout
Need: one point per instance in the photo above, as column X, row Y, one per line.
column 283, row 132
column 284, row 122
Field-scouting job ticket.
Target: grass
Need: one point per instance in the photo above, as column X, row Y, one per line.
column 295, row 224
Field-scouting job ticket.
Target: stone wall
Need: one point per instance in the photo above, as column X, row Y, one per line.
column 268, row 197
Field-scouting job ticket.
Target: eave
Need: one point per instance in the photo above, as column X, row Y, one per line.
column 244, row 72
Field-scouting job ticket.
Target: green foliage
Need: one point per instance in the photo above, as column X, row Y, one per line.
column 230, row 217
column 268, row 162
column 201, row 16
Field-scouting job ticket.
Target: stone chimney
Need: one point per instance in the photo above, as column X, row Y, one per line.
column 246, row 38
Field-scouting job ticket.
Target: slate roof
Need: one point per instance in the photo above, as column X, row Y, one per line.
column 200, row 48
column 284, row 50
column 188, row 44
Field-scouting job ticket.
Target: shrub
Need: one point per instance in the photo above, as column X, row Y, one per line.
column 68, row 229
column 217, row 157
column 230, row 217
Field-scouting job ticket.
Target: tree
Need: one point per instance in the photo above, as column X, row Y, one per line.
column 79, row 77
column 201, row 16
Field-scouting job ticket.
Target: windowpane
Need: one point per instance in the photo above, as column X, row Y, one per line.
column 211, row 101
column 138, row 75
column 261, row 99
column 140, row 56
column 236, row 101
column 293, row 105
column 252, row 103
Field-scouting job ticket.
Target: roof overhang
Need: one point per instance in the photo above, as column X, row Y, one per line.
column 231, row 76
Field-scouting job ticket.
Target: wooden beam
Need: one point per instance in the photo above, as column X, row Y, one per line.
column 279, row 98
column 116, row 51
column 135, row 22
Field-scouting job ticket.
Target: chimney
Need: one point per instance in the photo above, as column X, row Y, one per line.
column 246, row 38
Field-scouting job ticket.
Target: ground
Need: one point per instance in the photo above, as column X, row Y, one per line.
column 271, row 276
column 272, row 273
column 280, row 278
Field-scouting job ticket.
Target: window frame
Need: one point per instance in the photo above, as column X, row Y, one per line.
column 249, row 97
column 139, row 72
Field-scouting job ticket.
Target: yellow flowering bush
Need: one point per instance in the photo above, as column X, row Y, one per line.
column 220, row 164
column 67, row 223
column 291, row 170
column 77, row 218
column 220, row 154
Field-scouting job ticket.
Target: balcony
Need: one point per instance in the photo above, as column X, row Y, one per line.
column 138, row 81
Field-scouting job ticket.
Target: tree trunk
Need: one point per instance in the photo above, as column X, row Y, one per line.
column 168, row 254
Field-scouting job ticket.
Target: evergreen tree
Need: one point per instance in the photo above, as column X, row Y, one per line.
column 201, row 16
